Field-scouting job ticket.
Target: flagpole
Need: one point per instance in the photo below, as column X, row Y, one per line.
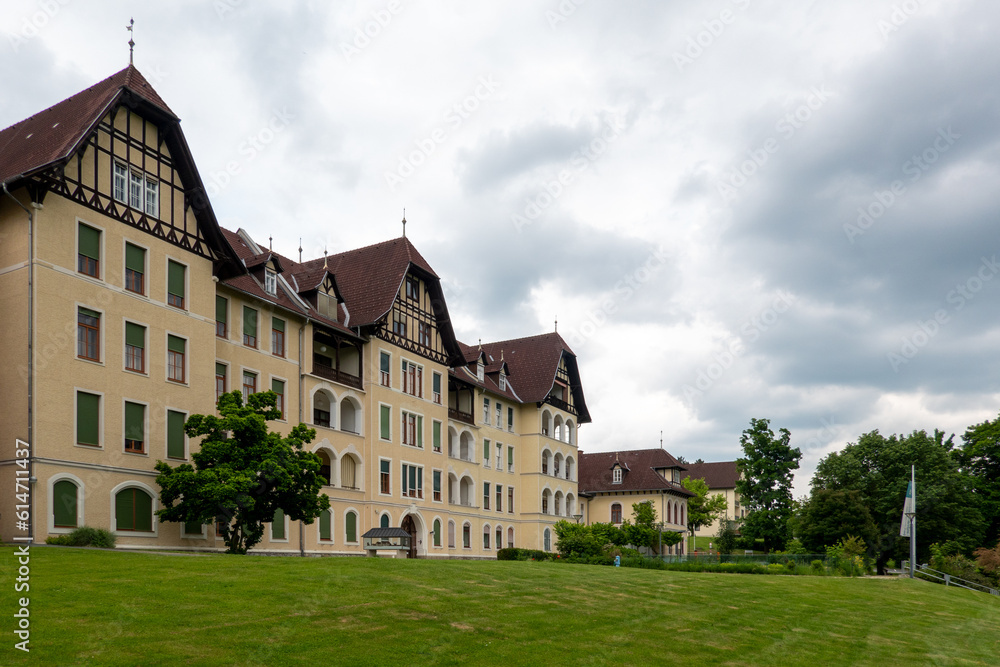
column 913, row 521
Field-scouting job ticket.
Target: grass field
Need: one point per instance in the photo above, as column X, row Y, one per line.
column 117, row 608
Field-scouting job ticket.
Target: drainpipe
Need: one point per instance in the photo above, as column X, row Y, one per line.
column 31, row 352
column 302, row 525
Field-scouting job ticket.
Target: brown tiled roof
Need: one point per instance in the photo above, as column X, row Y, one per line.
column 639, row 471
column 52, row 135
column 718, row 475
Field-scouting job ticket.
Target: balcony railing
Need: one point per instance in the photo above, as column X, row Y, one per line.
column 561, row 404
column 460, row 416
column 333, row 374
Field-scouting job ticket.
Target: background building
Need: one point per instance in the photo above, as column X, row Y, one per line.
column 721, row 478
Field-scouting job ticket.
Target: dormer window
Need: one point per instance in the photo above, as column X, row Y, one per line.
column 503, row 382
column 676, row 475
column 412, row 288
column 480, row 371
column 616, row 476
column 270, row 282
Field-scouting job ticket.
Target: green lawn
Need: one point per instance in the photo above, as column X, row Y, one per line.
column 118, row 608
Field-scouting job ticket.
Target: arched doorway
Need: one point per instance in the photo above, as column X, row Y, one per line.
column 411, row 527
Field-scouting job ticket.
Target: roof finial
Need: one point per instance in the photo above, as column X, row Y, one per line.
column 300, row 250
column 270, row 243
column 661, row 439
column 325, row 267
column 557, row 324
column 131, row 42
column 404, row 223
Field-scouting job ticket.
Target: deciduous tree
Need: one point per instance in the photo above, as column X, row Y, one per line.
column 831, row 515
column 979, row 456
column 702, row 509
column 765, row 483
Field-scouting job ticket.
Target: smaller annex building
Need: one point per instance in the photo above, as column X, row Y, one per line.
column 721, row 478
column 611, row 482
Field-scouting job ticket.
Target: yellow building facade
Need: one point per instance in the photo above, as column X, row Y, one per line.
column 128, row 308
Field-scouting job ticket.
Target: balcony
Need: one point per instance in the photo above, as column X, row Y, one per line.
column 329, row 373
column 561, row 404
column 464, row 417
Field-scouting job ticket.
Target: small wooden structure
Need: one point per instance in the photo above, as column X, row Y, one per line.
column 394, row 540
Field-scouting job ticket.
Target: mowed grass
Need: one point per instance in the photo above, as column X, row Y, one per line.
column 92, row 607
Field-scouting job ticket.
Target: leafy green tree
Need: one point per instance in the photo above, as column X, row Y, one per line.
column 727, row 537
column 979, row 456
column 765, row 483
column 641, row 531
column 243, row 473
column 702, row 509
column 834, row 514
column 879, row 469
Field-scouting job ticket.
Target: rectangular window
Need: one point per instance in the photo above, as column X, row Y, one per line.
column 510, row 500
column 499, row 421
column 175, row 284
column 135, row 427
column 221, row 316
column 121, row 182
column 220, row 380
column 467, row 536
column 175, row 434
column 486, row 411
column 499, row 456
column 503, row 381
column 424, row 334
column 510, row 419
column 385, row 414
column 175, row 358
column 270, row 282
column 499, row 498
column 249, row 327
column 413, row 379
column 510, row 458
column 278, row 387
column 413, row 481
column 413, row 426
column 152, row 198
column 135, row 347
column 325, row 527
column 135, row 269
column 192, row 528
column 384, row 368
column 384, row 478
column 399, row 324
column 486, row 453
column 89, row 257
column 437, row 485
column 436, row 381
column 436, row 429
column 249, row 385
column 278, row 526
column 412, row 288
column 277, row 337
column 135, row 190
column 88, row 334
column 88, row 419
column 486, row 495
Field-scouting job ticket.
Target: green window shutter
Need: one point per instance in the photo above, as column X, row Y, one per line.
column 278, row 325
column 351, row 525
column 437, row 435
column 437, row 480
column 64, row 504
column 134, row 418
column 384, row 362
column 88, row 408
column 385, row 413
column 249, row 321
column 510, row 456
column 413, row 477
column 192, row 528
column 135, row 258
column 324, row 525
column 175, row 344
column 437, row 383
column 278, row 526
column 143, row 511
column 278, row 386
column 384, row 467
column 90, row 242
column 135, row 335
column 175, row 278
column 125, row 510
column 486, row 450
column 175, row 434
column 437, row 532
column 220, row 308
column 384, row 521
column 89, row 313
column 420, row 431
column 220, row 369
column 420, row 479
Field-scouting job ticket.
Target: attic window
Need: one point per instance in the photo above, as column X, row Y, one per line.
column 676, row 475
column 412, row 288
column 616, row 476
column 503, row 381
column 270, row 282
column 480, row 371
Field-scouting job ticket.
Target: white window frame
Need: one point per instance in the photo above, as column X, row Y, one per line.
column 270, row 281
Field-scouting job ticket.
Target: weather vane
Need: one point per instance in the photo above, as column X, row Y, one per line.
column 404, row 223
column 131, row 42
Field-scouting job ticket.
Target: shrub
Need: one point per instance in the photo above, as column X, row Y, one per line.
column 790, row 565
column 85, row 536
column 988, row 559
column 817, row 567
column 510, row 553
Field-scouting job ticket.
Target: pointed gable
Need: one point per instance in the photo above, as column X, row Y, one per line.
column 641, row 470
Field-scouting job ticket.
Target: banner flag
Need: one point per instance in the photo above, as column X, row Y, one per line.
column 904, row 527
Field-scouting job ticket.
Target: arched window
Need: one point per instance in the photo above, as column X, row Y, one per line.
column 321, row 409
column 570, row 432
column 570, row 504
column 324, row 466
column 547, row 540
column 545, row 501
column 545, row 462
column 451, row 534
column 467, row 535
column 351, row 527
column 559, row 499
column 437, row 532
column 616, row 513
column 499, row 542
column 348, row 472
column 677, row 514
column 557, row 433
column 384, row 521
column 64, row 498
column 134, row 510
column 326, row 526
column 569, row 468
column 486, row 536
column 510, row 537
column 278, row 526
column 546, row 423
column 349, row 416
column 557, row 465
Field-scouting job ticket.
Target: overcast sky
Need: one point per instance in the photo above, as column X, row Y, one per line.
column 735, row 208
